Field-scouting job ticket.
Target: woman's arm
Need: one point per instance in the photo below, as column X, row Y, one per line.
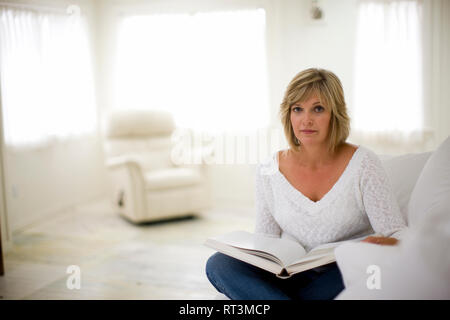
column 380, row 203
column 265, row 222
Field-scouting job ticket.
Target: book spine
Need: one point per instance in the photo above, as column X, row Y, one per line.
column 283, row 274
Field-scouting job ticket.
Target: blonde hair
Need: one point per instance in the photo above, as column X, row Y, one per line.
column 327, row 86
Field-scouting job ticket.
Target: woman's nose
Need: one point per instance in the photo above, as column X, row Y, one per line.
column 307, row 120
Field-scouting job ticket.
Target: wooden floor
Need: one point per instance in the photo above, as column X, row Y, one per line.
column 117, row 259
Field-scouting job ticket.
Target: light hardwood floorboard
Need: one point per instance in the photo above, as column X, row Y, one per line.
column 117, row 259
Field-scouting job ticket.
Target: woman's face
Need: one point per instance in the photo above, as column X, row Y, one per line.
column 310, row 122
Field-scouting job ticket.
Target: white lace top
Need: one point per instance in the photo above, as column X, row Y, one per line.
column 360, row 203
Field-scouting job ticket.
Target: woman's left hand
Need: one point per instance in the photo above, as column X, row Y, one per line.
column 384, row 241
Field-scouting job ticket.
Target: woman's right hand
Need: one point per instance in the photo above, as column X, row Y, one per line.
column 384, row 241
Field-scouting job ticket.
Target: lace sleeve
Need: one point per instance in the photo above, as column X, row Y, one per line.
column 379, row 200
column 265, row 222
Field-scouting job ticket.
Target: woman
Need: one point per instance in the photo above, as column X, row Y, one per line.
column 322, row 189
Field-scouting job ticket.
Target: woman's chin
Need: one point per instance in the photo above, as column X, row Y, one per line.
column 311, row 141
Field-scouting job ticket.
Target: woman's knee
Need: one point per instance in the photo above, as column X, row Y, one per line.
column 216, row 264
column 239, row 280
column 223, row 268
column 217, row 269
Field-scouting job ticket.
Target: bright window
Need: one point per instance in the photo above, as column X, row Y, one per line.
column 209, row 69
column 388, row 79
column 46, row 82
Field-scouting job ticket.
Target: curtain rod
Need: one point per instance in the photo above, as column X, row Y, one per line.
column 38, row 7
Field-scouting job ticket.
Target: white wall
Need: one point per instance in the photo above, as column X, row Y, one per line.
column 42, row 182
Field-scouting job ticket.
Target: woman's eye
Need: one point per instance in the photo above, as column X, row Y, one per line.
column 319, row 109
column 296, row 109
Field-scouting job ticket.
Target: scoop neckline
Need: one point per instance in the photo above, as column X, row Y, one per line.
column 300, row 198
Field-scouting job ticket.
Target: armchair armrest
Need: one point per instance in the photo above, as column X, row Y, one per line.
column 128, row 160
column 128, row 185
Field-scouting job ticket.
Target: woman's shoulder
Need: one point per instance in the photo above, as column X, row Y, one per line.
column 368, row 159
column 269, row 165
column 361, row 151
column 368, row 153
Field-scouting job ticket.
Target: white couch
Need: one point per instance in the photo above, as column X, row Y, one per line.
column 146, row 184
column 419, row 267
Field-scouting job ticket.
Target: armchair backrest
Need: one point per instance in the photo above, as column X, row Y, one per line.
column 144, row 135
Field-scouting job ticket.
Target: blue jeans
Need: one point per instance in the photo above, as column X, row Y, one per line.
column 241, row 281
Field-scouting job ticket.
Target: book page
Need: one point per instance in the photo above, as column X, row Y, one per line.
column 300, row 267
column 237, row 253
column 314, row 255
column 284, row 250
column 323, row 250
column 336, row 244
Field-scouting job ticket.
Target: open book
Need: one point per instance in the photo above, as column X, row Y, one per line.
column 280, row 256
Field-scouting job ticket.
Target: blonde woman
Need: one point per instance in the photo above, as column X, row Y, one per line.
column 321, row 189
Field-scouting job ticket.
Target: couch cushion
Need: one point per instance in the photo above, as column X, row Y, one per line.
column 171, row 178
column 403, row 172
column 432, row 189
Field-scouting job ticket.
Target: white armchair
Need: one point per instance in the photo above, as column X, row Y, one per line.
column 146, row 184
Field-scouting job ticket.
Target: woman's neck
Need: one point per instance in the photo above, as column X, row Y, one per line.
column 313, row 157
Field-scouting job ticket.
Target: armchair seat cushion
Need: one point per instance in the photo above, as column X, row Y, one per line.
column 171, row 178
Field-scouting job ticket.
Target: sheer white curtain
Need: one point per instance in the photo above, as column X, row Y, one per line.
column 388, row 106
column 208, row 68
column 437, row 67
column 47, row 91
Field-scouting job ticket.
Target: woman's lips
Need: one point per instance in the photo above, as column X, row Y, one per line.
column 307, row 131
